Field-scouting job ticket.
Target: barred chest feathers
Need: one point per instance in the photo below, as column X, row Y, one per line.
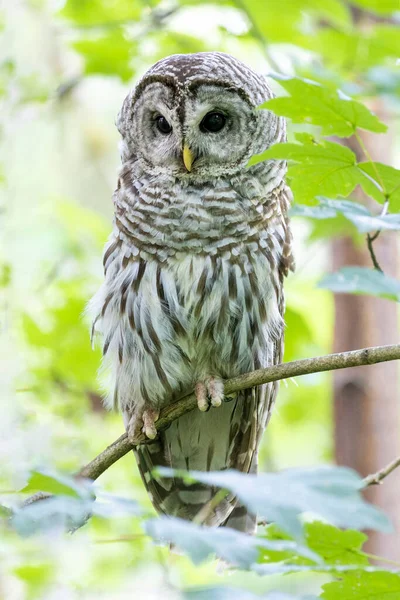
column 191, row 286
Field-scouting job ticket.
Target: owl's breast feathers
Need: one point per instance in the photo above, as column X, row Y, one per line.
column 193, row 285
column 166, row 220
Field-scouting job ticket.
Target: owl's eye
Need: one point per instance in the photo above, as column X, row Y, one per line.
column 162, row 125
column 213, row 122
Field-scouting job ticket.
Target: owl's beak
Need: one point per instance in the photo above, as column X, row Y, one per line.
column 187, row 157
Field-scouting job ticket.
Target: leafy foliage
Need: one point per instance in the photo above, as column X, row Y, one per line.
column 320, row 168
column 383, row 7
column 388, row 178
column 55, row 418
column 332, row 493
column 101, row 12
column 356, row 213
column 109, row 54
column 360, row 280
column 364, row 586
column 333, row 111
column 236, row 548
column 334, row 546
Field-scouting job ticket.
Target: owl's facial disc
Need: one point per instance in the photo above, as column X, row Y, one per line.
column 201, row 131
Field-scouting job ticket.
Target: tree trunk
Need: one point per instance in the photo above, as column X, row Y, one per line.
column 366, row 399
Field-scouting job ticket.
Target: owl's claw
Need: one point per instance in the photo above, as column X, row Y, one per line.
column 212, row 390
column 144, row 423
column 150, row 417
column 201, row 396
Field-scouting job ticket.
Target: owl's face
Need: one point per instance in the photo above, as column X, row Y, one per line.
column 192, row 119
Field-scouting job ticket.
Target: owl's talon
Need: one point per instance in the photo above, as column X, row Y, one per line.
column 201, row 396
column 134, row 429
column 215, row 388
column 150, row 416
column 142, row 424
column 210, row 391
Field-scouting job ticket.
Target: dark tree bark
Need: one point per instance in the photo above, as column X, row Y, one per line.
column 366, row 399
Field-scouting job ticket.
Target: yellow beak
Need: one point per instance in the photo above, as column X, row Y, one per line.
column 187, row 157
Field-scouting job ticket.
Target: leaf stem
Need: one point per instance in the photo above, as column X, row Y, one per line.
column 369, row 159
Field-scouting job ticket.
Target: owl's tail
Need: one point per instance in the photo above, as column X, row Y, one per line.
column 223, row 438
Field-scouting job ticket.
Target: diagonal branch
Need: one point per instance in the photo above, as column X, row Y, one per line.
column 379, row 476
column 306, row 366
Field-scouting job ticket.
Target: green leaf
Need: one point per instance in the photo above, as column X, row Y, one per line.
column 109, row 54
column 356, row 213
column 330, row 492
column 389, row 178
column 230, row 593
column 199, row 542
column 275, row 29
column 310, row 102
column 336, row 546
column 320, row 169
column 38, row 574
column 5, row 512
column 51, row 482
column 101, row 12
column 378, row 585
column 361, row 280
column 54, row 513
column 298, row 333
column 72, row 362
column 382, row 7
column 357, row 51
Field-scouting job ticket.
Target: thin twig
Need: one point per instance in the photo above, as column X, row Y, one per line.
column 379, row 476
column 371, row 251
column 306, row 366
column 372, row 238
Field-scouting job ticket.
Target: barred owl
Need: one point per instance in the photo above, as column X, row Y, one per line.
column 194, row 271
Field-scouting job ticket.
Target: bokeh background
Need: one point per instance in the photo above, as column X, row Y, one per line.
column 65, row 68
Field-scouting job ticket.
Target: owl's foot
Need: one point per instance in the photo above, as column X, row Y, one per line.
column 142, row 423
column 210, row 391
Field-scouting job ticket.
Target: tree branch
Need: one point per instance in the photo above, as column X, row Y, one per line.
column 372, row 254
column 379, row 476
column 306, row 366
column 372, row 238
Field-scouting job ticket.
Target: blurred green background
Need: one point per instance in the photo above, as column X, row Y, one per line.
column 65, row 68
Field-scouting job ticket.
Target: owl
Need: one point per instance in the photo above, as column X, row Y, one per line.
column 194, row 271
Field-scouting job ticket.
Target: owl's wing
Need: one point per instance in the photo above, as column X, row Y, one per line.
column 265, row 395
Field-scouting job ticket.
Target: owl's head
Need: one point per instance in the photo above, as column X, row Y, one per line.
column 195, row 116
